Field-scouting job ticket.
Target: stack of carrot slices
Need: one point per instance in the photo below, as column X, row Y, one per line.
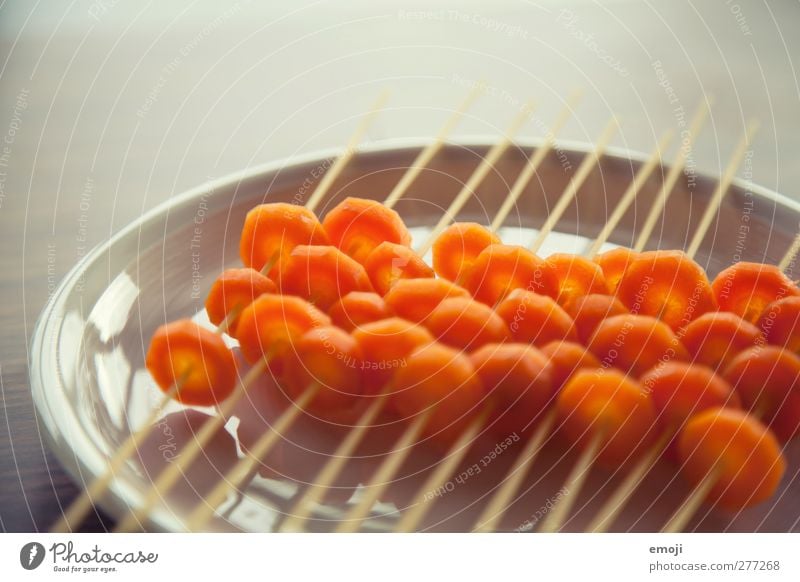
column 626, row 350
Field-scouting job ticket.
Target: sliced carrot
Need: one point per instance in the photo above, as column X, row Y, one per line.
column 518, row 379
column 680, row 390
column 440, row 381
column 607, row 406
column 635, row 343
column 741, row 455
column 269, row 326
column 389, row 262
column 357, row 225
column 386, row 345
column 500, row 269
column 461, row 322
column 332, row 358
column 234, row 290
column 714, row 339
column 747, row 288
column 668, row 285
column 195, row 360
column 614, row 263
column 577, row 276
column 780, row 323
column 535, row 319
column 321, row 275
column 414, row 299
column 566, row 358
column 457, row 248
column 271, row 231
column 768, row 380
column 588, row 311
column 357, row 308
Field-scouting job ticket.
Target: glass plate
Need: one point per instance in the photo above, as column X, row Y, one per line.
column 90, row 386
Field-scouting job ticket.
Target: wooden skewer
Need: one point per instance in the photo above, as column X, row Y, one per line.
column 559, row 513
column 419, row 507
column 502, row 500
column 587, row 165
column 577, row 477
column 722, row 188
column 332, row 468
column 82, row 505
column 347, row 155
column 483, row 169
column 630, row 193
column 535, row 160
column 170, row 475
column 691, row 504
column 790, row 255
column 387, row 469
column 204, row 511
column 244, row 468
column 696, row 124
column 614, row 505
column 429, row 152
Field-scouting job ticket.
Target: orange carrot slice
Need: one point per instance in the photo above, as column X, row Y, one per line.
column 768, row 380
column 390, row 262
column 271, row 231
column 680, row 390
column 457, row 248
column 667, row 285
column 461, row 322
column 330, row 357
column 588, row 311
column 635, row 343
column 269, row 326
column 438, row 380
column 780, row 323
column 747, row 288
column 194, row 359
column 386, row 345
column 500, row 269
column 714, row 339
column 321, row 275
column 744, row 456
column 234, row 290
column 518, row 379
column 566, row 358
column 357, row 308
column 414, row 299
column 608, row 406
column 357, row 225
column 577, row 276
column 535, row 319
column 614, row 263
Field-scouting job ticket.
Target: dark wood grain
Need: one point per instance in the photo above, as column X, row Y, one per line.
column 115, row 107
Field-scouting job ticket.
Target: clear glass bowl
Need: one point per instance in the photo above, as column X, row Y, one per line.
column 86, row 365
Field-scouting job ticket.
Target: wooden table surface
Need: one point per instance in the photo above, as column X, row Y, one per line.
column 108, row 107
